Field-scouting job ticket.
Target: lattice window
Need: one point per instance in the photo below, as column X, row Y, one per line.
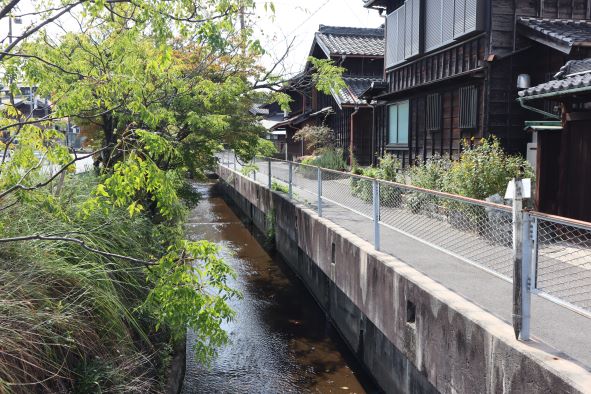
column 433, row 120
column 468, row 107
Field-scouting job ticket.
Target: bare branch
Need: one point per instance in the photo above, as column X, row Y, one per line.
column 39, row 237
column 20, row 186
column 8, row 7
column 35, row 29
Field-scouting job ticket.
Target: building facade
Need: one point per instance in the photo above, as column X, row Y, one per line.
column 360, row 51
column 451, row 68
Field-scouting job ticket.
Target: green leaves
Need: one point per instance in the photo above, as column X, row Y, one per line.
column 327, row 77
column 190, row 290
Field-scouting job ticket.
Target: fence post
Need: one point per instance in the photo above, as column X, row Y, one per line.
column 526, row 279
column 534, row 255
column 254, row 171
column 234, row 157
column 521, row 264
column 376, row 214
column 289, row 186
column 270, row 183
column 319, row 192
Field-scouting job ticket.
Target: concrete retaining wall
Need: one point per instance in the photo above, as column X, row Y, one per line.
column 412, row 334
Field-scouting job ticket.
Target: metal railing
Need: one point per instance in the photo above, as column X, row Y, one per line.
column 551, row 255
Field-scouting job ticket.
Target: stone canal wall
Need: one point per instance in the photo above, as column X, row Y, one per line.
column 412, row 334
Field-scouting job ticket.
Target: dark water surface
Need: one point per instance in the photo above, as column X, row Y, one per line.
column 280, row 340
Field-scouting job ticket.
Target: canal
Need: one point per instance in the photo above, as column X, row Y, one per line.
column 281, row 340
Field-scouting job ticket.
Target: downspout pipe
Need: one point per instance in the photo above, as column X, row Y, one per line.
column 352, row 134
column 374, row 137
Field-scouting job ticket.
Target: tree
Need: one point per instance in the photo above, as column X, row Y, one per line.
column 168, row 82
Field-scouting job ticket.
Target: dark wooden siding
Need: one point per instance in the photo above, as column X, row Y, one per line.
column 425, row 143
column 362, row 66
column 564, row 185
column 447, row 63
column 503, row 14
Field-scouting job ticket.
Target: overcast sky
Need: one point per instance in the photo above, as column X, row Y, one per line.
column 299, row 19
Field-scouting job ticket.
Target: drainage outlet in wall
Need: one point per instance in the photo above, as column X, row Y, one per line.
column 411, row 312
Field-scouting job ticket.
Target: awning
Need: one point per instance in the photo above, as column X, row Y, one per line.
column 298, row 119
column 574, row 77
column 560, row 34
column 548, row 125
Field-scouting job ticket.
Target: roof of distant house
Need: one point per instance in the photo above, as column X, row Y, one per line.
column 337, row 40
column 574, row 76
column 259, row 109
column 560, row 34
column 356, row 86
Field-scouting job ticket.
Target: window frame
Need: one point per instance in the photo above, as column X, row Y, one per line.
column 433, row 116
column 398, row 144
column 474, row 115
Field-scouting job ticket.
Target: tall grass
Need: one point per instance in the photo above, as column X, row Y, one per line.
column 69, row 319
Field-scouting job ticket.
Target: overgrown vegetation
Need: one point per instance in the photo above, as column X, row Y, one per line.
column 96, row 279
column 388, row 170
column 71, row 319
column 482, row 170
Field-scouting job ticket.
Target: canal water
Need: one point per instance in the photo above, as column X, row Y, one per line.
column 281, row 341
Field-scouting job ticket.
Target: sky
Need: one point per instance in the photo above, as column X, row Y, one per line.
column 299, row 20
column 296, row 20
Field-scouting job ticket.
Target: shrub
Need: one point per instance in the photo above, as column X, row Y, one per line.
column 432, row 174
column 279, row 187
column 387, row 170
column 73, row 323
column 331, row 159
column 485, row 169
column 317, row 138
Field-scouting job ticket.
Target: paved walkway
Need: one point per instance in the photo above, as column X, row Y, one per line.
column 559, row 327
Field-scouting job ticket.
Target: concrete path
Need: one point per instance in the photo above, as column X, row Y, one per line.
column 557, row 326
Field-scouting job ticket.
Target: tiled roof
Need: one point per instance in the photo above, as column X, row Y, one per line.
column 575, row 74
column 257, row 109
column 356, row 86
column 562, row 34
column 574, row 67
column 335, row 40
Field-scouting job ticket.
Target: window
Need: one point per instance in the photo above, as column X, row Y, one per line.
column 398, row 123
column 433, row 112
column 468, row 107
column 446, row 20
column 403, row 32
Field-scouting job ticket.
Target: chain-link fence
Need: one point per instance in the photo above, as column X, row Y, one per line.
column 563, row 259
column 556, row 251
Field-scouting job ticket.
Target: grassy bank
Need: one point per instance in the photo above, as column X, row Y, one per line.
column 72, row 320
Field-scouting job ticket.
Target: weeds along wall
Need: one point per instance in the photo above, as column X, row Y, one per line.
column 69, row 319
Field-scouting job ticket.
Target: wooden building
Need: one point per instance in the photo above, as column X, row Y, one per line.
column 563, row 152
column 360, row 51
column 451, row 68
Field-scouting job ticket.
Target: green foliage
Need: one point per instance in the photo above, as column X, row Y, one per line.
column 432, row 174
column 69, row 307
column 249, row 168
column 270, row 223
column 317, row 138
column 189, row 289
column 261, row 147
column 387, row 170
column 279, row 187
column 327, row 77
column 168, row 84
column 485, row 169
column 331, row 159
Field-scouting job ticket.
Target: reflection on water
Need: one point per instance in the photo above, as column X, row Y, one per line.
column 280, row 340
